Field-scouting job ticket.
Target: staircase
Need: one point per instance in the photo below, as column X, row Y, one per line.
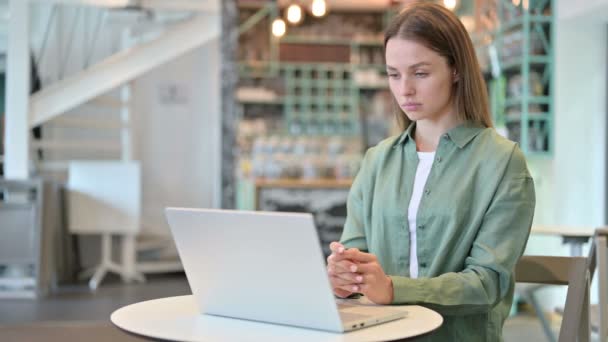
column 88, row 54
column 86, row 112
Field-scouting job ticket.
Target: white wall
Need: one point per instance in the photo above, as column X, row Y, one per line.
column 178, row 143
column 575, row 177
column 569, row 9
column 571, row 186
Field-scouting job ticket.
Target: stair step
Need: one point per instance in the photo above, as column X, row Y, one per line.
column 103, row 124
column 98, row 145
column 105, row 102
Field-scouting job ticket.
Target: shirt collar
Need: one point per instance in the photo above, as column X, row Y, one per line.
column 407, row 134
column 461, row 135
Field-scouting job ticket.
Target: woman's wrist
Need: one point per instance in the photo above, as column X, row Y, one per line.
column 390, row 291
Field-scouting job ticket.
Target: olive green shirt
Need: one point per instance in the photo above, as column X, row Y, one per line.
column 473, row 223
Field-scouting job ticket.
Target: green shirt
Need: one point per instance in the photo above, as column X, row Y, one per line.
column 473, row 223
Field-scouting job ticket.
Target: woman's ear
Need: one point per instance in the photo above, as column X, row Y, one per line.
column 455, row 76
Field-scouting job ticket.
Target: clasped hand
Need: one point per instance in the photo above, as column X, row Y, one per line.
column 352, row 271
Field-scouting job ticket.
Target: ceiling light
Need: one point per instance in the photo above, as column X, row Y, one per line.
column 278, row 27
column 318, row 8
column 294, row 14
column 450, row 4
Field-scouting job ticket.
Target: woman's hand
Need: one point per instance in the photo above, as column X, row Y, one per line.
column 352, row 271
column 341, row 278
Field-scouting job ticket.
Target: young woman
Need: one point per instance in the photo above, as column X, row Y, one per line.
column 440, row 214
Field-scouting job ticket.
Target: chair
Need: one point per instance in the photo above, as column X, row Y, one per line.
column 571, row 271
column 104, row 197
column 598, row 258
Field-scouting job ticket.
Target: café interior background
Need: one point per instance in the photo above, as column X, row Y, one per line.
column 310, row 98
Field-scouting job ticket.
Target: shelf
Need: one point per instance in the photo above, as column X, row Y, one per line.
column 515, row 101
column 315, row 41
column 517, row 63
column 528, row 118
column 516, row 23
column 381, row 67
column 330, row 41
column 250, row 95
column 290, row 98
column 277, row 102
column 372, row 87
column 303, row 184
column 257, row 69
column 314, row 65
column 511, row 118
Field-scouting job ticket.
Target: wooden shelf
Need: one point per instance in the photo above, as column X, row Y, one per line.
column 304, row 184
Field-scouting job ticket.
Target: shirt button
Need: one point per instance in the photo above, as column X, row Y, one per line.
column 439, row 159
column 446, row 136
column 423, row 264
column 421, row 226
column 427, row 192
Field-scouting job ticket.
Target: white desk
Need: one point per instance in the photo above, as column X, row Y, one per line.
column 177, row 318
column 576, row 237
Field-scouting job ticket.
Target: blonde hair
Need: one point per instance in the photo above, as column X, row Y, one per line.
column 440, row 30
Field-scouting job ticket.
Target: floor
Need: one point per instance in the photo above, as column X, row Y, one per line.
column 76, row 314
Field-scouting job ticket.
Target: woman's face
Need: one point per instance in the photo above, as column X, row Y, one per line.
column 420, row 79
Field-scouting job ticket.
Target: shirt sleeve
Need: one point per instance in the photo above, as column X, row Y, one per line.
column 353, row 234
column 500, row 242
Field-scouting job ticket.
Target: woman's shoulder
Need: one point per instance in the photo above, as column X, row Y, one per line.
column 494, row 146
column 495, row 143
column 384, row 147
column 376, row 155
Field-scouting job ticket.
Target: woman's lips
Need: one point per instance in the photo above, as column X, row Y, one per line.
column 411, row 106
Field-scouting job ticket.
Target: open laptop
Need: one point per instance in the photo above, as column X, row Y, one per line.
column 263, row 266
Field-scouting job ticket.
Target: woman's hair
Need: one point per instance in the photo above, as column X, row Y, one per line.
column 438, row 29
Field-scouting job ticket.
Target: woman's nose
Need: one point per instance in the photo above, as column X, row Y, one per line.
column 407, row 88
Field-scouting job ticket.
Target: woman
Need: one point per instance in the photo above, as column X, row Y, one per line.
column 440, row 214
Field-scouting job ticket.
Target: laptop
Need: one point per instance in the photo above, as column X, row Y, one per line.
column 264, row 266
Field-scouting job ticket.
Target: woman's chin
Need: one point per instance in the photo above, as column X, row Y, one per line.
column 414, row 116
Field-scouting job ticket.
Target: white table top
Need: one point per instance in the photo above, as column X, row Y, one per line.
column 178, row 318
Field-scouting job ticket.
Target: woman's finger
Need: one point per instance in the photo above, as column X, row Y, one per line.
column 349, row 276
column 356, row 255
column 338, row 281
column 342, row 293
column 336, row 247
column 367, row 268
column 342, row 266
column 352, row 288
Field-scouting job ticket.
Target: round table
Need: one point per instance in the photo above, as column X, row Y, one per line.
column 178, row 318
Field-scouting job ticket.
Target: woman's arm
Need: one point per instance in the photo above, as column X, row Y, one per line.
column 353, row 234
column 499, row 244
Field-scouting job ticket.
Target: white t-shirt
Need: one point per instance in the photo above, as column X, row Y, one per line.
column 425, row 162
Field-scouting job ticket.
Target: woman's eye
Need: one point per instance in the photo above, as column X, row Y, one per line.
column 393, row 75
column 421, row 74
